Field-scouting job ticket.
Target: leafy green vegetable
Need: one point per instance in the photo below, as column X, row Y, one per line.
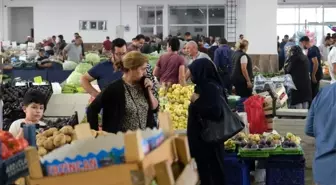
column 74, row 79
column 82, row 68
column 92, row 58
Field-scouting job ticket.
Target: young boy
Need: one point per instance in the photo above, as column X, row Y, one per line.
column 34, row 105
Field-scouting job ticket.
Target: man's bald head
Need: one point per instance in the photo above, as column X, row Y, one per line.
column 192, row 44
column 192, row 48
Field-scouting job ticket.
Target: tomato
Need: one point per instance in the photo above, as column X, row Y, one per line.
column 5, row 136
column 23, row 143
column 5, row 153
column 13, row 145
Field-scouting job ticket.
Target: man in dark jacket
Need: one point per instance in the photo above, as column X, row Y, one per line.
column 212, row 49
column 223, row 61
column 146, row 48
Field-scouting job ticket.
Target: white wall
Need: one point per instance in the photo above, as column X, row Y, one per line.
column 21, row 22
column 241, row 17
column 2, row 27
column 261, row 25
column 52, row 17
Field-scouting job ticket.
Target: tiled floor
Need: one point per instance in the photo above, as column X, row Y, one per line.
column 309, row 177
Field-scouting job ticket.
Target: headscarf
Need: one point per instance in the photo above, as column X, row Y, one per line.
column 209, row 86
column 296, row 50
column 295, row 54
column 204, row 71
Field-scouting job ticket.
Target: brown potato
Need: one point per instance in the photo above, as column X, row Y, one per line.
column 56, row 133
column 48, row 144
column 53, row 129
column 59, row 140
column 42, row 151
column 39, row 135
column 40, row 141
column 68, row 138
column 67, row 130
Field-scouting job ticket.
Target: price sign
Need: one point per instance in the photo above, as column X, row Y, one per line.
column 38, row 79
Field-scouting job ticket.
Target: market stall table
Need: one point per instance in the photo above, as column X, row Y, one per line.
column 53, row 74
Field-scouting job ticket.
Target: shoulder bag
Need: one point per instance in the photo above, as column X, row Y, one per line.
column 215, row 131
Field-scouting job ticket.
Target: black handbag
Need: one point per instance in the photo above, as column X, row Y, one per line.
column 221, row 130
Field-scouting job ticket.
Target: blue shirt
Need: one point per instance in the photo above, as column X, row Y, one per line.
column 321, row 124
column 104, row 73
column 223, row 57
column 312, row 53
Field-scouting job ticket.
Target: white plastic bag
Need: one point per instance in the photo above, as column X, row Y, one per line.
column 260, row 82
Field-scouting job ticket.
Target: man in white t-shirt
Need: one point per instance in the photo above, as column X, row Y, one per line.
column 332, row 64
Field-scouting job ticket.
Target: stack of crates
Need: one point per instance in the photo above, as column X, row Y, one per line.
column 285, row 170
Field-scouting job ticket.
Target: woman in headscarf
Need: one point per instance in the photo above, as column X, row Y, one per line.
column 206, row 103
column 297, row 66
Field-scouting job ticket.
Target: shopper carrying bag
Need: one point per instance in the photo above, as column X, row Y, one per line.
column 207, row 115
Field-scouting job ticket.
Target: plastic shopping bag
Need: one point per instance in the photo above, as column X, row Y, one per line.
column 255, row 114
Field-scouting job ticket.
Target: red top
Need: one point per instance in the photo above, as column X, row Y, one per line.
column 107, row 44
column 203, row 50
column 169, row 65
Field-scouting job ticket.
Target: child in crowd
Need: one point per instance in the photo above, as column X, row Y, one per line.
column 34, row 105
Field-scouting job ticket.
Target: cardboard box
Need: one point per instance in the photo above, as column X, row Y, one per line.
column 88, row 153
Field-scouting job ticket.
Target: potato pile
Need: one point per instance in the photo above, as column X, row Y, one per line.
column 54, row 138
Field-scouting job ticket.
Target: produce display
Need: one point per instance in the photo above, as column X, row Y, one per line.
column 54, row 138
column 72, row 83
column 256, row 142
column 11, row 146
column 291, row 141
column 176, row 100
column 59, row 122
column 92, row 58
column 153, row 59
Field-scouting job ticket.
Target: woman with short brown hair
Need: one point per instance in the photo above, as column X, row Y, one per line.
column 242, row 73
column 127, row 103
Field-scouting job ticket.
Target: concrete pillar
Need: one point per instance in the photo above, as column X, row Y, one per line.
column 260, row 29
column 1, row 20
column 257, row 20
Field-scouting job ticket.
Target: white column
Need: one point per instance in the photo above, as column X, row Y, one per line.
column 260, row 26
column 241, row 17
column 1, row 20
column 165, row 21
